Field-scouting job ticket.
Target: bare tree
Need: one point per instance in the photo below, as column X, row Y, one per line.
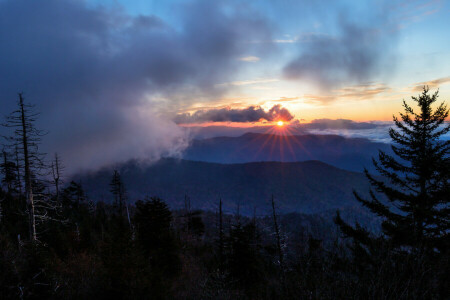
column 188, row 215
column 221, row 237
column 7, row 169
column 57, row 169
column 17, row 170
column 278, row 237
column 25, row 141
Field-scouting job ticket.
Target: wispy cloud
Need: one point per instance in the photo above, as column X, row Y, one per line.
column 247, row 82
column 249, row 58
column 285, row 99
column 354, row 54
column 432, row 84
column 302, row 38
column 416, row 11
column 362, row 91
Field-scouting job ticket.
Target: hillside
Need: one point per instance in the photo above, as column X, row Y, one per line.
column 306, row 187
column 346, row 153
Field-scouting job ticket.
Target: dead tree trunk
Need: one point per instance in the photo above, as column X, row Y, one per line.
column 278, row 237
column 28, row 185
column 220, row 234
column 56, row 173
column 18, row 175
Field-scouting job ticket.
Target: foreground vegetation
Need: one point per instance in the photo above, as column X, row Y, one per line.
column 57, row 243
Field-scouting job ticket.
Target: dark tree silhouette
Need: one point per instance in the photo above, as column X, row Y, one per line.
column 73, row 195
column 57, row 169
column 153, row 223
column 416, row 181
column 26, row 140
column 8, row 171
column 117, row 189
column 119, row 192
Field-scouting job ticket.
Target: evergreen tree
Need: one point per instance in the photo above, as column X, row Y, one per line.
column 155, row 236
column 73, row 196
column 120, row 197
column 153, row 224
column 118, row 190
column 416, row 182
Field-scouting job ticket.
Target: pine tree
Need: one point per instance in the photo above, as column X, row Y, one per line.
column 117, row 189
column 120, row 197
column 416, row 185
column 73, row 196
column 153, row 221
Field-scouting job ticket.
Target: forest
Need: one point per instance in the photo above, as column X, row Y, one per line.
column 58, row 243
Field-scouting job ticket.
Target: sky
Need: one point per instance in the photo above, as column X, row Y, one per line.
column 327, row 59
column 116, row 80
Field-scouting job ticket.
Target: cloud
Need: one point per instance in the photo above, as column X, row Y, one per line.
column 248, row 82
column 323, row 124
column 249, row 114
column 432, row 84
column 376, row 131
column 416, row 11
column 302, row 38
column 249, row 59
column 354, row 54
column 93, row 72
column 362, row 91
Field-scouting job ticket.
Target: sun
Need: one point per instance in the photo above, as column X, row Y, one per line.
column 280, row 123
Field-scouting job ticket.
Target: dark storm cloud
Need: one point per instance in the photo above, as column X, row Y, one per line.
column 93, row 71
column 354, row 54
column 249, row 114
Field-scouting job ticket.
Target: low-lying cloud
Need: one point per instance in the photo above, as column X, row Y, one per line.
column 249, row 114
column 323, row 124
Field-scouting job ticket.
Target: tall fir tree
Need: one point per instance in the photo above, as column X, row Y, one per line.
column 415, row 184
column 118, row 190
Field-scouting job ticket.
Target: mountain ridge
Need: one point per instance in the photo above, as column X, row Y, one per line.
column 305, row 187
column 353, row 154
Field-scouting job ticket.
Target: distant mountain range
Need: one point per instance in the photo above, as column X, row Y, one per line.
column 305, row 187
column 347, row 153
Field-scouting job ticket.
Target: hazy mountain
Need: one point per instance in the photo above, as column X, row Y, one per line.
column 347, row 153
column 306, row 187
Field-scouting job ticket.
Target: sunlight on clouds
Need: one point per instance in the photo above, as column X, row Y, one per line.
column 249, row 59
column 432, row 84
column 247, row 82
